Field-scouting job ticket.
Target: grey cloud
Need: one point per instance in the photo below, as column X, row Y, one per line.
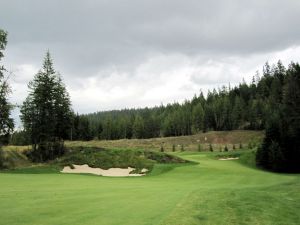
column 144, row 52
column 87, row 35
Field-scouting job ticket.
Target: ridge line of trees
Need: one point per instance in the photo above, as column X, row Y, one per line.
column 246, row 106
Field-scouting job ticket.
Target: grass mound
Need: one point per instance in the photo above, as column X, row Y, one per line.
column 115, row 158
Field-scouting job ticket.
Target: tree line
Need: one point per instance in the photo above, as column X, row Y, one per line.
column 280, row 150
column 246, row 106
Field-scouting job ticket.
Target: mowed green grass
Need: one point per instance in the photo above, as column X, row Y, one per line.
column 210, row 192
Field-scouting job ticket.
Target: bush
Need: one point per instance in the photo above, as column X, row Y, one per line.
column 173, row 148
column 211, row 148
column 1, row 158
column 199, row 148
column 162, row 148
column 225, row 148
column 250, row 146
column 47, row 150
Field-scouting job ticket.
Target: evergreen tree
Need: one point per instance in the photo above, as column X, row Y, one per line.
column 6, row 122
column 280, row 148
column 198, row 118
column 46, row 113
column 225, row 148
column 138, row 127
column 211, row 148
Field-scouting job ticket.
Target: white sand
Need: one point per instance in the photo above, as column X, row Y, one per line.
column 112, row 172
column 229, row 158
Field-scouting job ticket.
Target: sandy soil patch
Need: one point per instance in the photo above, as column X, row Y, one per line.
column 112, row 172
column 228, row 158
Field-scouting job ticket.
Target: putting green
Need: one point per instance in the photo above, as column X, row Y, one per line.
column 211, row 192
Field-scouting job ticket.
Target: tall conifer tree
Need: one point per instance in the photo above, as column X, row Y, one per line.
column 46, row 112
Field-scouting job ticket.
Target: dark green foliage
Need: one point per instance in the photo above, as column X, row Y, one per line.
column 233, row 147
column 250, row 146
column 199, row 148
column 6, row 122
column 46, row 113
column 280, row 148
column 162, row 148
column 173, row 148
column 20, row 138
column 139, row 127
column 182, row 148
column 211, row 148
column 241, row 146
column 81, row 130
column 1, row 158
column 46, row 150
column 198, row 118
column 225, row 148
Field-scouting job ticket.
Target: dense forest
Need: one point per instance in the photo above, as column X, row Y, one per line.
column 246, row 106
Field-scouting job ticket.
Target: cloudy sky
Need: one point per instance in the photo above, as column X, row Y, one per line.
column 133, row 53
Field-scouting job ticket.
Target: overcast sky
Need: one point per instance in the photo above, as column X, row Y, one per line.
column 134, row 53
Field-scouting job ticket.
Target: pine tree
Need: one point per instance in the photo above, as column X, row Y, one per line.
column 280, row 148
column 138, row 127
column 6, row 122
column 225, row 148
column 46, row 113
column 198, row 118
column 173, row 148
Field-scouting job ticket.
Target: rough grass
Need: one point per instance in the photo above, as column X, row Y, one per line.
column 14, row 159
column 16, row 148
column 218, row 139
column 209, row 192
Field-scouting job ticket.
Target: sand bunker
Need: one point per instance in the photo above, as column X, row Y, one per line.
column 112, row 172
column 228, row 158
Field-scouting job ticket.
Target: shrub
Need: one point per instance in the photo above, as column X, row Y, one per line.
column 225, row 148
column 182, row 148
column 173, row 148
column 250, row 146
column 199, row 148
column 211, row 148
column 1, row 158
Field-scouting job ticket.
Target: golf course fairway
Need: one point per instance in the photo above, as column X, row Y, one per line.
column 209, row 192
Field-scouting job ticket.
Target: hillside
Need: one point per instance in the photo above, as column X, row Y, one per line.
column 218, row 139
